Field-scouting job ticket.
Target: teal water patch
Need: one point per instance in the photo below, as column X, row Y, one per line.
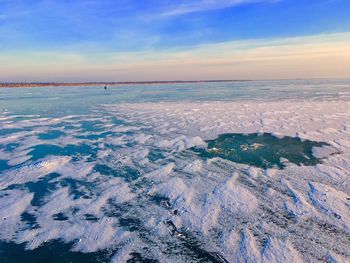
column 78, row 188
column 41, row 189
column 60, row 217
column 3, row 165
column 93, row 137
column 50, row 252
column 127, row 173
column 43, row 150
column 30, row 220
column 54, row 134
column 9, row 131
column 261, row 150
column 11, row 146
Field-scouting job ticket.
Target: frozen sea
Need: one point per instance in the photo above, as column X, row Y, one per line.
column 251, row 171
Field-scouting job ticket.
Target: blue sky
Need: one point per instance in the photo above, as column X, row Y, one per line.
column 90, row 32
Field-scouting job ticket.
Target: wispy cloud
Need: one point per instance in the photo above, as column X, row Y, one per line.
column 193, row 6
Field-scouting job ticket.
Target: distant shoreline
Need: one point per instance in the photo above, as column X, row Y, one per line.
column 79, row 84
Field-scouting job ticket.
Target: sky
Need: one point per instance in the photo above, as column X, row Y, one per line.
column 134, row 40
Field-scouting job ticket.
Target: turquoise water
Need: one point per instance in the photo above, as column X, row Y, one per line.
column 262, row 150
column 77, row 178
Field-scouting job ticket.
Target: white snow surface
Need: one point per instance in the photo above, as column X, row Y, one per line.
column 237, row 212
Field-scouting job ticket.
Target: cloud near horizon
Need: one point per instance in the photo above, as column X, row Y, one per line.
column 325, row 55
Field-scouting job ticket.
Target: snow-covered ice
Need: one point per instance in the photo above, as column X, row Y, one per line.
column 124, row 179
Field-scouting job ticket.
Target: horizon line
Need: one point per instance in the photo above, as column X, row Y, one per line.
column 11, row 84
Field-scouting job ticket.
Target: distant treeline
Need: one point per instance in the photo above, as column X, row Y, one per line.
column 55, row 84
